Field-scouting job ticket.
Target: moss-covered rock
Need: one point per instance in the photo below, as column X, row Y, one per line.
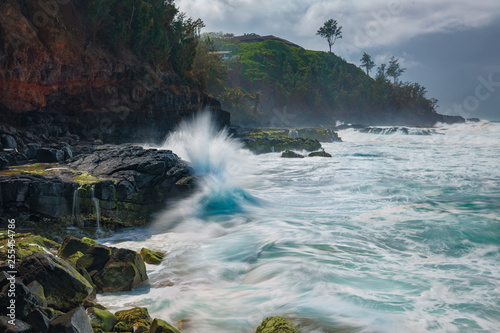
column 51, row 313
column 266, row 141
column 124, row 271
column 95, row 258
column 72, row 259
column 291, row 154
column 25, row 245
column 320, row 153
column 150, row 257
column 320, row 134
column 161, row 326
column 276, row 325
column 134, row 317
column 72, row 245
column 102, row 319
column 37, row 291
column 123, row 327
column 63, row 286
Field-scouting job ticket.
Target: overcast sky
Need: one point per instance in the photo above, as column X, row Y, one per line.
column 452, row 47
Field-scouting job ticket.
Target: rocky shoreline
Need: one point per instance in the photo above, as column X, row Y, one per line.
column 54, row 287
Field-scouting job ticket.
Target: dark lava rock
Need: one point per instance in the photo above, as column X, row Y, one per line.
column 19, row 327
column 291, row 154
column 75, row 321
column 320, row 154
column 64, row 287
column 95, row 258
column 124, row 271
column 72, row 245
column 8, row 141
column 49, row 155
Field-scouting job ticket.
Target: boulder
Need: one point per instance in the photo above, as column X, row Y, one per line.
column 101, row 319
column 161, row 326
column 275, row 324
column 95, row 258
column 19, row 327
column 9, row 142
column 291, row 154
column 75, row 321
column 136, row 317
column 25, row 301
column 150, row 257
column 32, row 150
column 320, row 153
column 64, row 287
column 124, row 271
column 38, row 292
column 72, row 245
column 49, row 155
column 38, row 320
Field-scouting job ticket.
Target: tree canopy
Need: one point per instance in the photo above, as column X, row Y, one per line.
column 330, row 31
column 394, row 70
column 367, row 63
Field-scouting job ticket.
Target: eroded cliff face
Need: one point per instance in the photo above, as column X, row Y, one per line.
column 53, row 71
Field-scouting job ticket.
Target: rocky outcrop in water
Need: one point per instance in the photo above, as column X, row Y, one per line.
column 262, row 141
column 117, row 186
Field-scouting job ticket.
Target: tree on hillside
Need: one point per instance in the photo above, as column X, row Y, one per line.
column 367, row 62
column 394, row 70
column 381, row 73
column 330, row 31
column 208, row 68
column 256, row 97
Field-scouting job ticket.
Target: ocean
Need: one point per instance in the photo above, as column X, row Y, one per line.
column 398, row 232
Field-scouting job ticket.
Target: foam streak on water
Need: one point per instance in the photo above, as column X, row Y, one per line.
column 395, row 233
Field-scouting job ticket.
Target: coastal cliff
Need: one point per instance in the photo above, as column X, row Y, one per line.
column 55, row 75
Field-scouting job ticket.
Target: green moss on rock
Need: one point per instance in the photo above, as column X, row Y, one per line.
column 72, row 245
column 101, row 319
column 150, row 257
column 72, row 259
column 134, row 317
column 276, row 324
column 123, row 327
column 161, row 326
column 124, row 271
column 25, row 245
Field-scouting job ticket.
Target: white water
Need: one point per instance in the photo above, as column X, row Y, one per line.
column 395, row 233
column 97, row 213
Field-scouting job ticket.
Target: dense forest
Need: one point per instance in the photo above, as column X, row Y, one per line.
column 152, row 29
column 272, row 79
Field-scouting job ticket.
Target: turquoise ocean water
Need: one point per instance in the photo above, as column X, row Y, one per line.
column 396, row 233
